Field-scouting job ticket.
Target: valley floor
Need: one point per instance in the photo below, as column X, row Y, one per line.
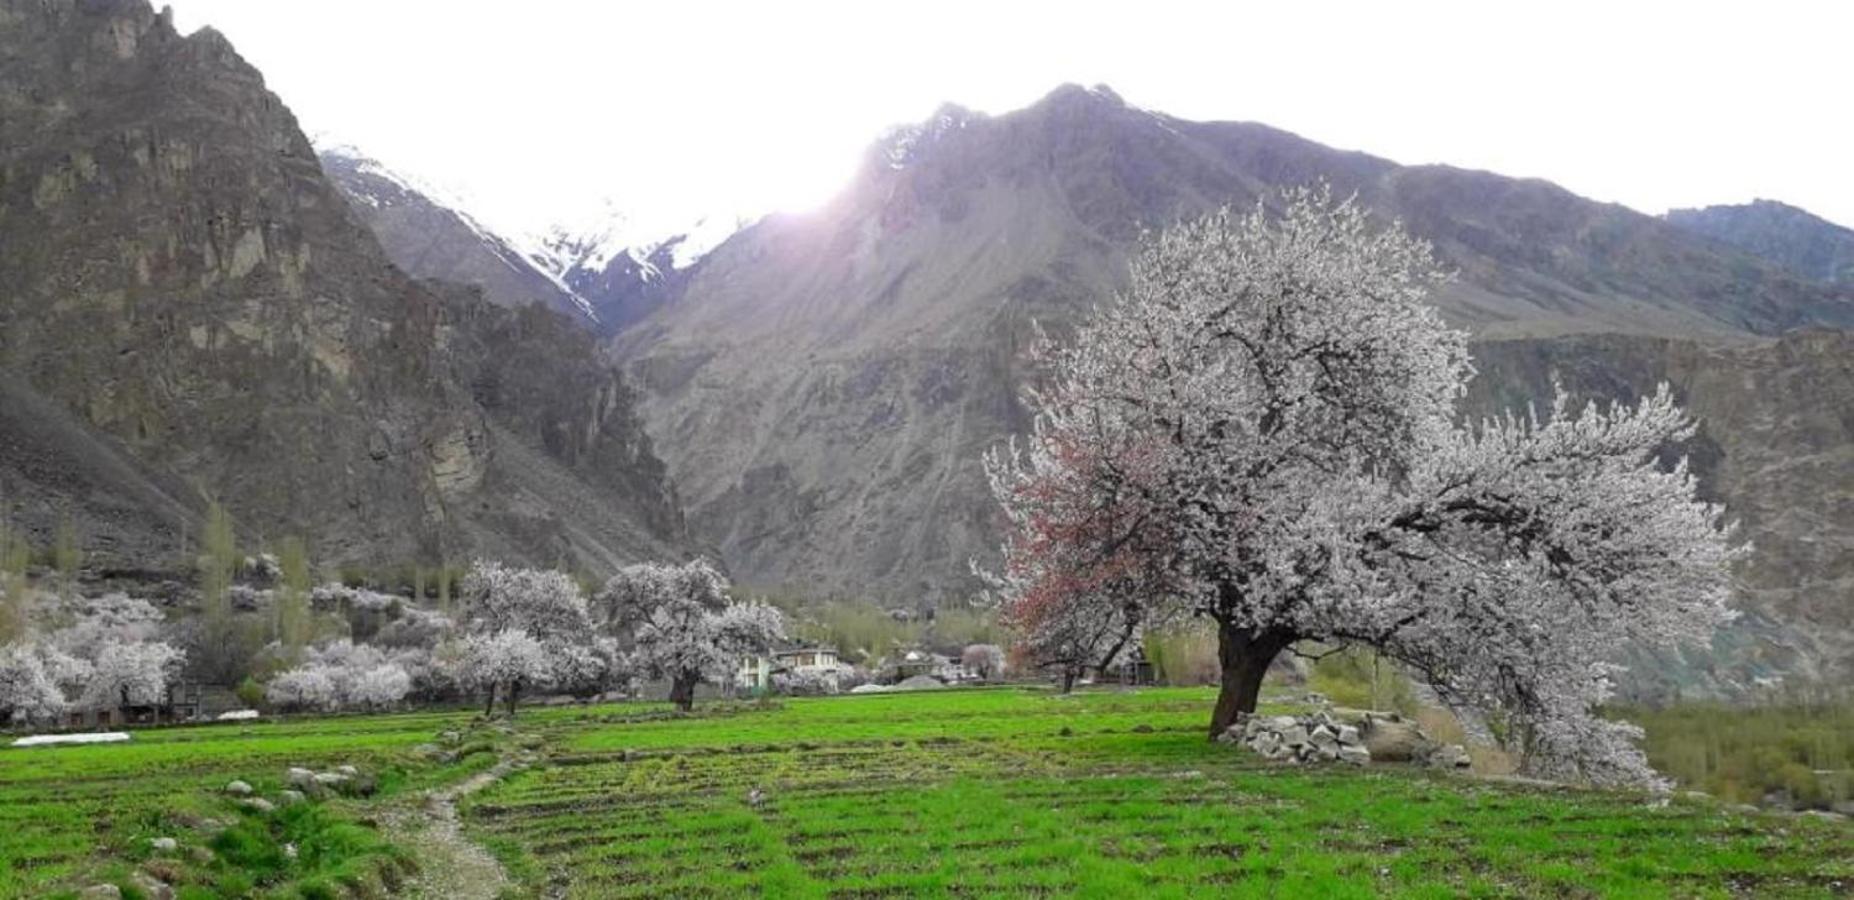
column 997, row 792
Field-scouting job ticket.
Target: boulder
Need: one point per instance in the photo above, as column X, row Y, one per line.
column 1393, row 739
column 1348, row 735
column 150, row 887
column 1448, row 756
column 1354, row 754
column 1294, row 735
column 1321, row 736
column 238, row 788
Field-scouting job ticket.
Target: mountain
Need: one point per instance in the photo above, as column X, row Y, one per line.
column 190, row 311
column 428, row 238
column 625, row 271
column 1793, row 238
column 823, row 387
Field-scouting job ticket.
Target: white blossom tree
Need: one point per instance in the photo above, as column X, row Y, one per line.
column 1263, row 431
column 304, row 688
column 118, row 656
column 680, row 624
column 30, row 688
column 507, row 660
column 548, row 608
column 342, row 675
column 986, row 661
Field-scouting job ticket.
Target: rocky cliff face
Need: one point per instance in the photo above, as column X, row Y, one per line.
column 430, row 239
column 188, row 310
column 1804, row 243
column 825, row 384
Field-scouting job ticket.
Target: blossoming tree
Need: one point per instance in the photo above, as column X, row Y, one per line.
column 1263, row 431
column 680, row 624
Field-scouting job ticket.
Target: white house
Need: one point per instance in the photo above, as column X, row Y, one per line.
column 818, row 662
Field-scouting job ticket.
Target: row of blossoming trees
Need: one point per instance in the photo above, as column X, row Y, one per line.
column 1264, row 432
column 518, row 630
column 526, row 629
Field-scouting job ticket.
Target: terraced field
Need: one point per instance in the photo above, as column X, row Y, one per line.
column 74, row 815
column 1020, row 793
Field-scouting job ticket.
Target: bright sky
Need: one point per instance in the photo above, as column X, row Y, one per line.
column 547, row 111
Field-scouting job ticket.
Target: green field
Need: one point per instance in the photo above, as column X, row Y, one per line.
column 942, row 794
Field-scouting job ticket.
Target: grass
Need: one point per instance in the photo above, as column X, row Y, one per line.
column 1021, row 793
column 985, row 792
column 1743, row 753
column 74, row 816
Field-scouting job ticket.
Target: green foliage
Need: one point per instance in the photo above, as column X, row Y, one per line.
column 960, row 625
column 1007, row 792
column 222, row 654
column 250, row 692
column 1742, row 753
column 218, row 560
column 1359, row 678
column 860, row 632
column 1183, row 656
column 293, row 619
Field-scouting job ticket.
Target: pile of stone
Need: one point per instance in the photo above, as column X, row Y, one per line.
column 1318, row 737
column 347, row 781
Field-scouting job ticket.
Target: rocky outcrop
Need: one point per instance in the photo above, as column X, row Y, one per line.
column 1804, row 243
column 431, row 239
column 189, row 310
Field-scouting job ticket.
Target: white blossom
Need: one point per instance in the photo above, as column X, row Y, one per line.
column 681, row 625
column 1263, row 431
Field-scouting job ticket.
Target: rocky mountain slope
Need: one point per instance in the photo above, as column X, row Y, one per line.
column 825, row 384
column 428, row 238
column 624, row 271
column 189, row 310
column 1796, row 239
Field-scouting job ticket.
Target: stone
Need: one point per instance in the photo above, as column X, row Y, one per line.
column 151, row 887
column 349, row 771
column 258, row 804
column 291, row 798
column 1327, row 752
column 1393, row 740
column 1824, row 815
column 330, row 778
column 1448, row 756
column 1294, row 735
column 1322, row 736
column 1354, row 754
column 238, row 788
column 101, row 892
column 164, row 844
column 1347, row 734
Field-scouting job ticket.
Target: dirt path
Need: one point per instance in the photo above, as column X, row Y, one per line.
column 450, row 865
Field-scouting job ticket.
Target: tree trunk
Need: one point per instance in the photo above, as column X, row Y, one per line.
column 682, row 692
column 489, row 706
column 514, row 691
column 1068, row 679
column 1243, row 656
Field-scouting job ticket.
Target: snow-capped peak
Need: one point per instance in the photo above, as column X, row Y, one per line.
column 592, row 247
